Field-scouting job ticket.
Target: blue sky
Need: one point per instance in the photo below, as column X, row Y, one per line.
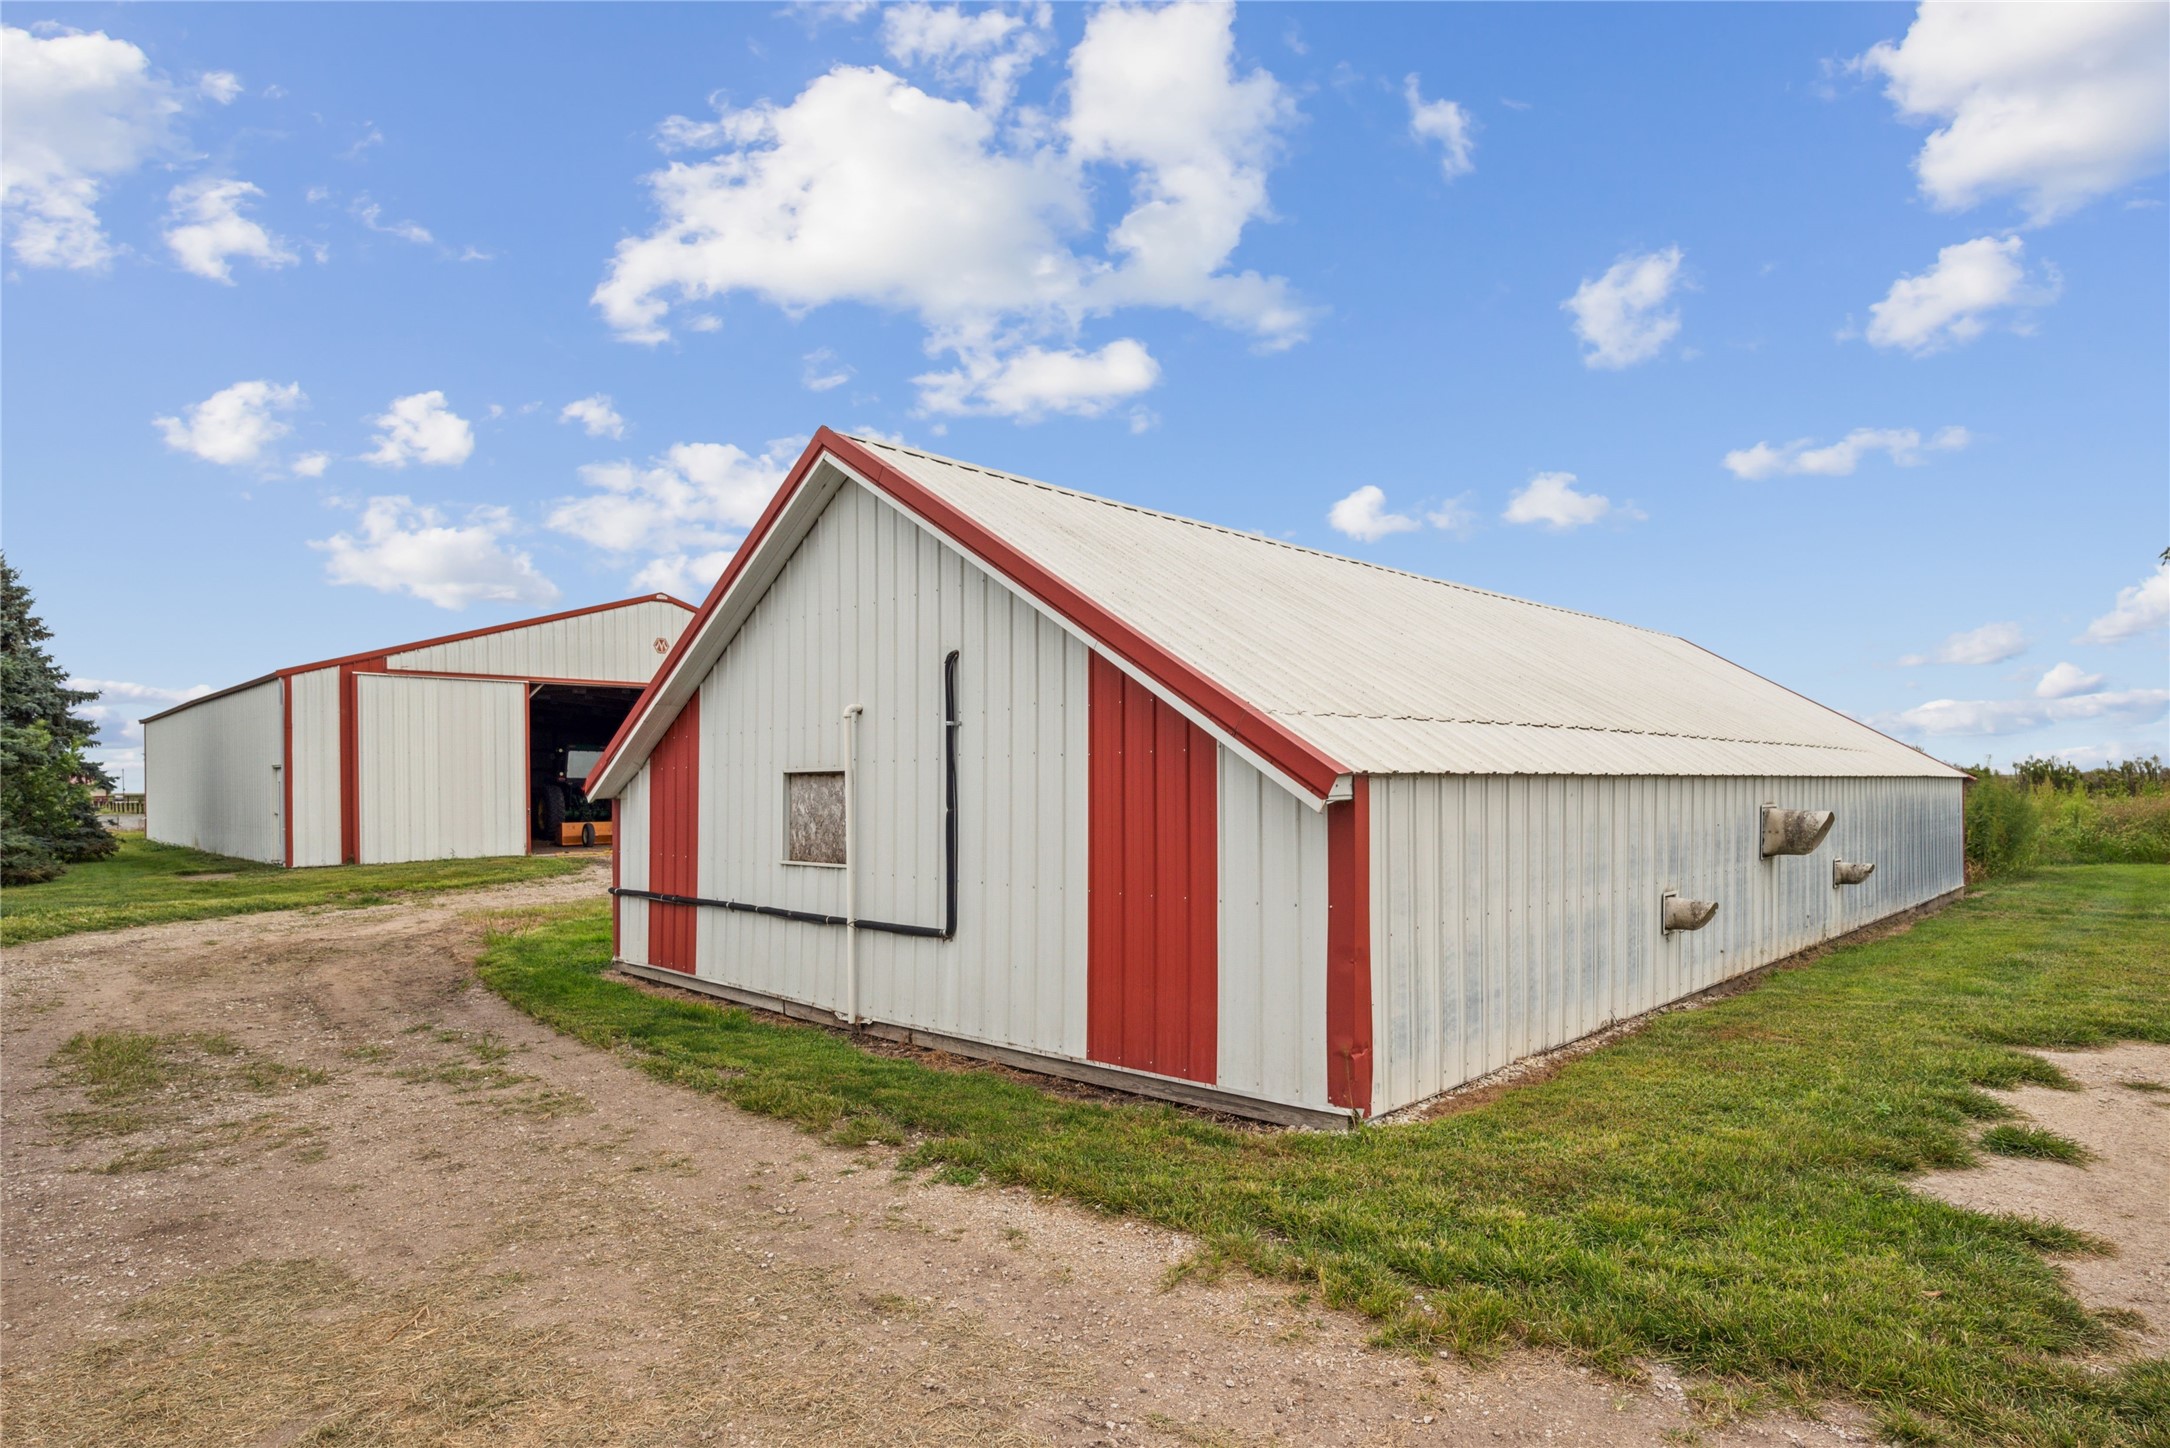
column 1833, row 338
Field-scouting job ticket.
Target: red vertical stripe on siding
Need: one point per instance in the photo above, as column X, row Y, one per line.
column 1348, row 950
column 350, row 756
column 674, row 828
column 1153, row 914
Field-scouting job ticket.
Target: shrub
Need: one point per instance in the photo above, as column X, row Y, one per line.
column 2002, row 823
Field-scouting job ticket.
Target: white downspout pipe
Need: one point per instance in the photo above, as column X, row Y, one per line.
column 851, row 863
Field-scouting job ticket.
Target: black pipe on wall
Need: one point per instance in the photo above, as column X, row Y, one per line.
column 947, row 930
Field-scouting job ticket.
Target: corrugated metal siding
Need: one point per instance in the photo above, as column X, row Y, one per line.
column 442, row 767
column 1514, row 914
column 1272, row 858
column 865, row 613
column 1152, row 998
column 1391, row 672
column 613, row 643
column 316, row 766
column 630, row 856
column 213, row 776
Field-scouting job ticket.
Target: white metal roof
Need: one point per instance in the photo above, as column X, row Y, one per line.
column 1394, row 673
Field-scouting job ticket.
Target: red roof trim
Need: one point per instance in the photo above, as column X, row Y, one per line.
column 1269, row 739
column 453, row 638
column 495, row 628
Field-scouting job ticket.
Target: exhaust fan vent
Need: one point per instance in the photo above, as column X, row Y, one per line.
column 1794, row 831
column 1679, row 914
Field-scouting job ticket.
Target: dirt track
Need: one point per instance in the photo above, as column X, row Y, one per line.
column 468, row 1230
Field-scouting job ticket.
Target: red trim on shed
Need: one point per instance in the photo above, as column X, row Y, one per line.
column 1265, row 736
column 674, row 830
column 1153, row 912
column 350, row 755
column 1348, row 949
column 382, row 654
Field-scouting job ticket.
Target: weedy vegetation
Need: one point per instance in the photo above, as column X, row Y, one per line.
column 2048, row 812
column 1724, row 1190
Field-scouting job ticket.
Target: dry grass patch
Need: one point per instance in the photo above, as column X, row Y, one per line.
column 174, row 1089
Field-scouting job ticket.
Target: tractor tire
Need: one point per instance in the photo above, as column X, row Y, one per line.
column 587, row 834
column 549, row 813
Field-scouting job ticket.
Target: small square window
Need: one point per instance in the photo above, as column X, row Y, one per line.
column 814, row 824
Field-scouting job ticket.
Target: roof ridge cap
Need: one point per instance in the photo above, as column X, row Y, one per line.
column 1249, row 536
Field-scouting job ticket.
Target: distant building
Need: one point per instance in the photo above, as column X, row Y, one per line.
column 438, row 749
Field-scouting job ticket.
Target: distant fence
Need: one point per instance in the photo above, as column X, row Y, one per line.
column 121, row 804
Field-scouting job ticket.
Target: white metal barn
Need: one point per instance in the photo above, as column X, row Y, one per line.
column 421, row 751
column 1032, row 775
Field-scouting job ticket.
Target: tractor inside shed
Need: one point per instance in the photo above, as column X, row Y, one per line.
column 568, row 727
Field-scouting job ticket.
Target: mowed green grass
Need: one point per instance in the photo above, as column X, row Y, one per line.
column 148, row 884
column 1724, row 1191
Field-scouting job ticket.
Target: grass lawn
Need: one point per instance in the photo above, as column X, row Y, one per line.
column 149, row 884
column 1724, row 1191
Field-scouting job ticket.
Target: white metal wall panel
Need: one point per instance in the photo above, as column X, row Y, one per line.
column 631, row 847
column 865, row 613
column 213, row 775
column 617, row 644
column 1272, row 866
column 442, row 768
column 316, row 766
column 1511, row 914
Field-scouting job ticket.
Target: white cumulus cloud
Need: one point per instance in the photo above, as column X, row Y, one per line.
column 1031, row 382
column 867, row 188
column 234, row 425
column 2140, row 609
column 401, row 547
column 1622, row 316
column 683, row 575
column 222, row 86
column 1954, row 301
column 2065, row 680
column 687, row 508
column 1363, row 516
column 310, row 465
column 1456, row 517
column 2052, row 104
column 1444, row 123
column 596, row 415
column 206, row 230
column 1992, row 643
column 1903, row 445
column 76, row 110
column 1553, row 500
column 2013, row 716
column 420, row 428
column 986, row 51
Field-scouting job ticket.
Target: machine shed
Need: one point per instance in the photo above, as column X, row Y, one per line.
column 1019, row 772
column 441, row 749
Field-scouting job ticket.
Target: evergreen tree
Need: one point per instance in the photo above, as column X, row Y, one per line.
column 47, row 821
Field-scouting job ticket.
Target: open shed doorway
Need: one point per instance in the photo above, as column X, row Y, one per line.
column 568, row 727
